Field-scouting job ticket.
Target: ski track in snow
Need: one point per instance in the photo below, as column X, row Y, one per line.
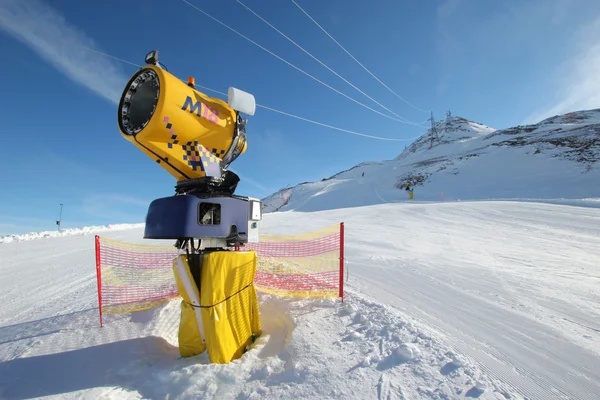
column 490, row 300
column 514, row 286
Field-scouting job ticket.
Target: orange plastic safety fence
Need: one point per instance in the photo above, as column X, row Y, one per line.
column 133, row 277
column 301, row 265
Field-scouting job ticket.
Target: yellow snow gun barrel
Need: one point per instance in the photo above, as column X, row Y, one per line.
column 188, row 133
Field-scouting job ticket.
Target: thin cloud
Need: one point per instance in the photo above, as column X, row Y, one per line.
column 447, row 9
column 577, row 82
column 114, row 207
column 447, row 43
column 251, row 182
column 118, row 198
column 49, row 34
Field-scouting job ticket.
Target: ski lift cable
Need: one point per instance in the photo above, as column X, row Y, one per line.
column 293, row 66
column 319, row 61
column 101, row 53
column 359, row 63
column 259, row 105
column 336, row 128
column 319, row 123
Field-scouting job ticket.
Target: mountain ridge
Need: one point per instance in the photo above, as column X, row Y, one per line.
column 463, row 159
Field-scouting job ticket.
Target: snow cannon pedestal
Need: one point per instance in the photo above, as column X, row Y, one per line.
column 219, row 310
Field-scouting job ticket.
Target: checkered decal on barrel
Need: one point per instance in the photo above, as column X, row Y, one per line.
column 192, row 155
column 197, row 155
column 218, row 153
column 174, row 139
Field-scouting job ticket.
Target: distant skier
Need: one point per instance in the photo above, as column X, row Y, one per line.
column 363, row 175
column 410, row 191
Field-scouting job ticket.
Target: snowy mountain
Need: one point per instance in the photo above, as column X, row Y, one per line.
column 464, row 160
column 451, row 136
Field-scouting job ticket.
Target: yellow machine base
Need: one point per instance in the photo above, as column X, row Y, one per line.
column 223, row 316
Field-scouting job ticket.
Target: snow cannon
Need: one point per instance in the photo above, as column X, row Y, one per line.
column 188, row 133
column 195, row 138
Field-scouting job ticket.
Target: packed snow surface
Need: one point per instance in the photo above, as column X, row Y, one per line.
column 488, row 300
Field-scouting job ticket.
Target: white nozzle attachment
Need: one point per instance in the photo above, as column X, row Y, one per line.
column 241, row 101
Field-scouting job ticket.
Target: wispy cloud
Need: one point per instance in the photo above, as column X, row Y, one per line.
column 462, row 25
column 118, row 198
column 447, row 43
column 509, row 33
column 251, row 181
column 115, row 208
column 447, row 9
column 49, row 34
column 446, row 14
column 577, row 82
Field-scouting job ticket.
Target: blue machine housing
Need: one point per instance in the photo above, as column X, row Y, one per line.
column 192, row 216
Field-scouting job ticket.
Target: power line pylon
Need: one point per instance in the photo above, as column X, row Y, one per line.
column 434, row 132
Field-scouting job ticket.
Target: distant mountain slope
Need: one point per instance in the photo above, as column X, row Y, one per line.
column 554, row 159
column 451, row 137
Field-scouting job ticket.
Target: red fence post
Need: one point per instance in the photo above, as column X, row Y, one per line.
column 342, row 261
column 99, row 277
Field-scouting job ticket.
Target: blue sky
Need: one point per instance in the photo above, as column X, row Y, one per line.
column 497, row 63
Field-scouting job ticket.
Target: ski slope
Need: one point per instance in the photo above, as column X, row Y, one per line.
column 514, row 286
column 451, row 300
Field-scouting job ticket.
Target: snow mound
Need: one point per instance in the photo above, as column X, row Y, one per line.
column 300, row 354
column 86, row 230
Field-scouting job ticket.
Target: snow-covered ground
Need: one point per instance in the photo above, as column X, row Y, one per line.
column 450, row 300
column 515, row 286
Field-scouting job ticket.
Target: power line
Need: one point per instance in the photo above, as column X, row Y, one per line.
column 318, row 123
column 320, row 62
column 265, row 107
column 292, row 65
column 336, row 128
column 359, row 63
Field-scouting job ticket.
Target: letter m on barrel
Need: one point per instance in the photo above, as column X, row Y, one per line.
column 194, row 107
